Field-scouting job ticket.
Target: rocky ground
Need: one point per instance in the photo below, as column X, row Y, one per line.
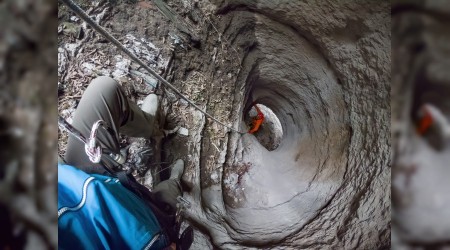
column 84, row 55
column 158, row 41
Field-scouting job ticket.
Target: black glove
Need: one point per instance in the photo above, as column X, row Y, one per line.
column 186, row 239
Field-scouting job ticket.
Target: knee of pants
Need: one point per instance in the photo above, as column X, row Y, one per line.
column 104, row 84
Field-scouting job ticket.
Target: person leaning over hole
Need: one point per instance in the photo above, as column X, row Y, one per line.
column 98, row 209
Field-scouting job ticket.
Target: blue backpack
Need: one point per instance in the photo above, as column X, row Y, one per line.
column 98, row 212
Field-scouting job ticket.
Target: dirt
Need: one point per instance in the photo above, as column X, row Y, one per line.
column 84, row 55
column 91, row 56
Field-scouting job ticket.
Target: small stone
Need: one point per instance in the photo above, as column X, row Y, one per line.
column 183, row 131
column 74, row 18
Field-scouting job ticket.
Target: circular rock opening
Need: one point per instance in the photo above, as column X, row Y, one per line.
column 270, row 131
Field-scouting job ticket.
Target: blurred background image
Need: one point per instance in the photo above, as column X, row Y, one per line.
column 28, row 124
column 420, row 124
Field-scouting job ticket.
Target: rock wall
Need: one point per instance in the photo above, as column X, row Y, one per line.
column 324, row 69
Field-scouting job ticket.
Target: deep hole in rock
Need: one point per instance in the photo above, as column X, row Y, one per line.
column 327, row 169
column 270, row 132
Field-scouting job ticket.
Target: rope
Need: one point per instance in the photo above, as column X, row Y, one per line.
column 64, row 125
column 75, row 8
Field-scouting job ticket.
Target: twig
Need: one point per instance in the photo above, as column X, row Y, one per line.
column 71, row 97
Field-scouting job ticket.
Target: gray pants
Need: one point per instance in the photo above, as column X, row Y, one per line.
column 105, row 100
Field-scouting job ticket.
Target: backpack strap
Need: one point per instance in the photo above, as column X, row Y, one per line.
column 167, row 221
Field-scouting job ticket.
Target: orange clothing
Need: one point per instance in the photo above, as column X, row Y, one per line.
column 425, row 123
column 257, row 120
column 255, row 125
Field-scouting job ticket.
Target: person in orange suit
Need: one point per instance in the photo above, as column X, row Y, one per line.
column 257, row 120
column 432, row 117
column 425, row 122
column 434, row 126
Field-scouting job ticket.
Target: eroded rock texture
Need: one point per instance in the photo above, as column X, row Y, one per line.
column 324, row 69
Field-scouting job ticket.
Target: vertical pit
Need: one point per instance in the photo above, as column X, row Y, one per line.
column 255, row 197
